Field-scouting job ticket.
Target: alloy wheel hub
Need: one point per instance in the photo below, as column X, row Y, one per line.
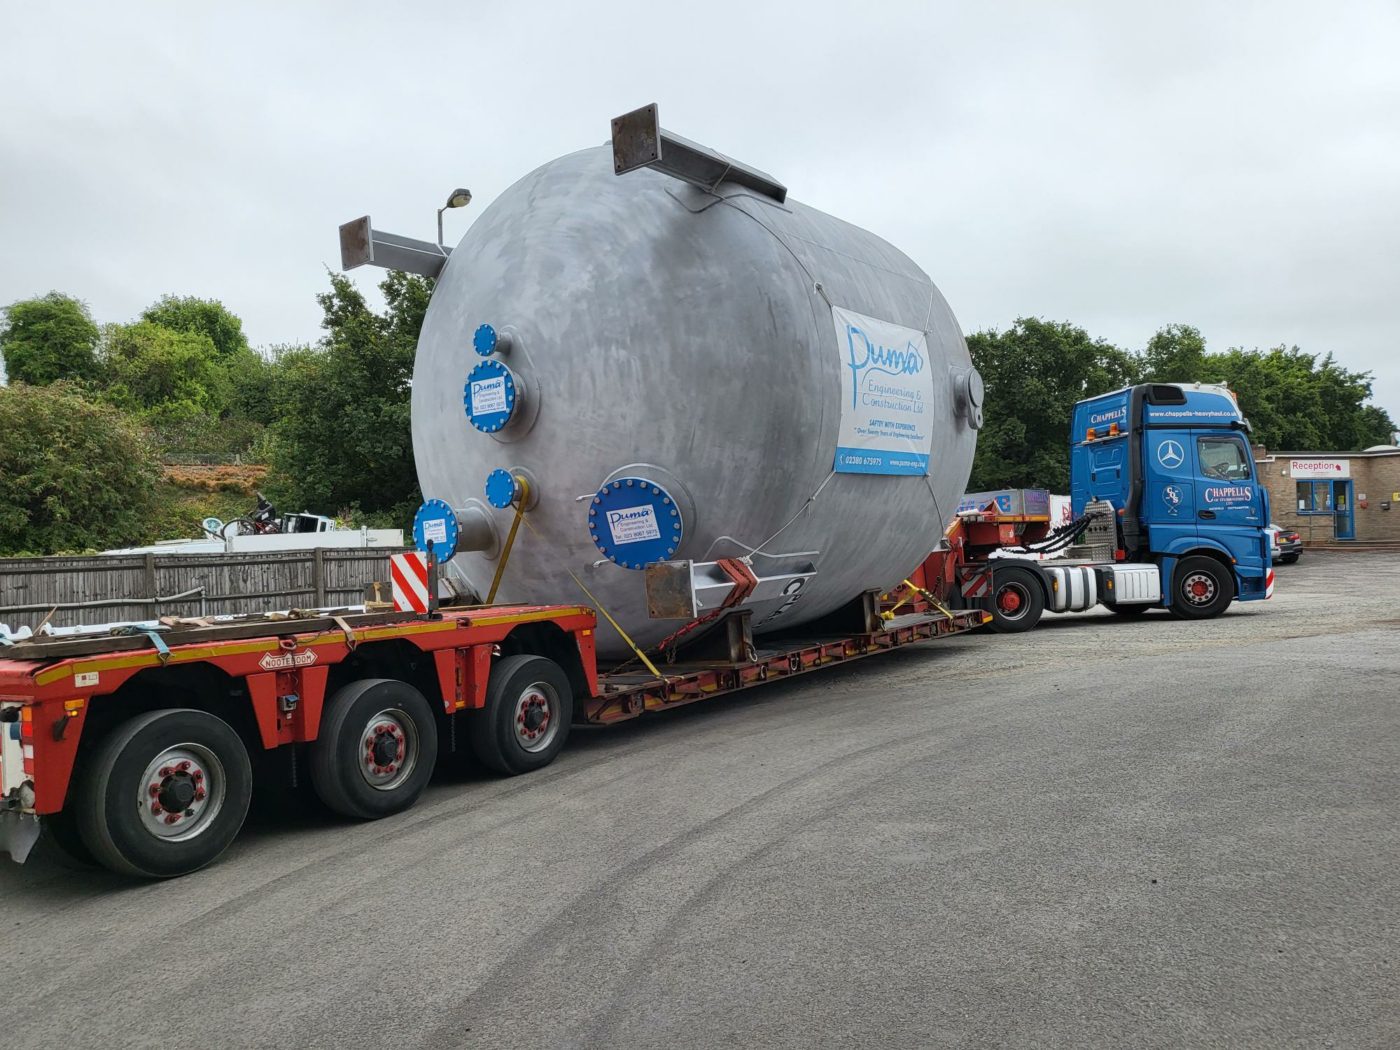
column 388, row 749
column 180, row 792
column 532, row 717
column 1199, row 589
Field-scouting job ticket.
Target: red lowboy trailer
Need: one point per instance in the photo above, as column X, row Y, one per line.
column 140, row 750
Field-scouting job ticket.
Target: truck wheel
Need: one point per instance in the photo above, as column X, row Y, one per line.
column 375, row 750
column 62, row 829
column 1017, row 600
column 529, row 706
column 164, row 794
column 1201, row 588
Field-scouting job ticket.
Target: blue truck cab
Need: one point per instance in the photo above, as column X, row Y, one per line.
column 1173, row 461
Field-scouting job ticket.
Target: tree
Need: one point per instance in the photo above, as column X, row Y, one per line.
column 253, row 377
column 1035, row 372
column 1175, row 354
column 1293, row 400
column 245, row 404
column 168, row 378
column 47, row 339
column 342, row 439
column 204, row 316
column 1373, row 421
column 74, row 473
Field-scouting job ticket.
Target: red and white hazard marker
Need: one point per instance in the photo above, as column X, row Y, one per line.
column 1269, row 584
column 408, row 573
column 977, row 584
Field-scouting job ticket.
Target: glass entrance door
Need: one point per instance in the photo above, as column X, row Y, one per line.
column 1342, row 511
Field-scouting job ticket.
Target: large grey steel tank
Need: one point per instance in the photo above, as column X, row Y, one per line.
column 664, row 364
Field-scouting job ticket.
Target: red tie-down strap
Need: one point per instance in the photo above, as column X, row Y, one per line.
column 744, row 581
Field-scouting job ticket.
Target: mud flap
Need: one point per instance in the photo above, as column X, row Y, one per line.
column 18, row 833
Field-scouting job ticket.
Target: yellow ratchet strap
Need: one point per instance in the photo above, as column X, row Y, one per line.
column 931, row 600
column 596, row 604
column 505, row 552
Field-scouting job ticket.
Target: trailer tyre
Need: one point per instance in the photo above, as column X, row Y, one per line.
column 375, row 750
column 1017, row 600
column 529, row 706
column 164, row 793
column 62, row 830
column 1201, row 588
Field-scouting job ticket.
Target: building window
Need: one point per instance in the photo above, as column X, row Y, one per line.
column 1314, row 497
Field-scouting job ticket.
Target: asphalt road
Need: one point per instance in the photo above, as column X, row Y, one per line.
column 1103, row 833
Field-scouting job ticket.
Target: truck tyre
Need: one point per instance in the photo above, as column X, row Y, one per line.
column 62, row 830
column 375, row 750
column 1201, row 588
column 529, row 706
column 1017, row 601
column 164, row 793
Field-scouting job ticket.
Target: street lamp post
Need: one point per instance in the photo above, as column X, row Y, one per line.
column 458, row 198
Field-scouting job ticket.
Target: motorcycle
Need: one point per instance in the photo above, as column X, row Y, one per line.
column 263, row 521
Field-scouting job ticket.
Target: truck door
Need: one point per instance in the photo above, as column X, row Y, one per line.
column 1169, row 494
column 1231, row 502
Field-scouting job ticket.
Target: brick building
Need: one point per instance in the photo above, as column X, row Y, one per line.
column 1335, row 496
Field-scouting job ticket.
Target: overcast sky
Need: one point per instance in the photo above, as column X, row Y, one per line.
column 1123, row 166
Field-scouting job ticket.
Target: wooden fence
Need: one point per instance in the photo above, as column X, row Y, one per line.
column 105, row 589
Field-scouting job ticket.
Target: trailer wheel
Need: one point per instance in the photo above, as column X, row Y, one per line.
column 62, row 829
column 1201, row 588
column 529, row 706
column 1017, row 600
column 164, row 793
column 375, row 749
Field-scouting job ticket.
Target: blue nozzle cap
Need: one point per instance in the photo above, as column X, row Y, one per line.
column 490, row 396
column 436, row 521
column 484, row 340
column 501, row 488
column 634, row 522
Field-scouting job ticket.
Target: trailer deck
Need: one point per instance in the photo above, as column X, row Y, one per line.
column 359, row 700
column 627, row 695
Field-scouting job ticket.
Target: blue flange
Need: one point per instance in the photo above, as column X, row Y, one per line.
column 490, row 396
column 501, row 488
column 484, row 340
column 634, row 522
column 435, row 521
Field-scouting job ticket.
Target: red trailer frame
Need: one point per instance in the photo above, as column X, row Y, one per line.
column 277, row 682
column 961, row 573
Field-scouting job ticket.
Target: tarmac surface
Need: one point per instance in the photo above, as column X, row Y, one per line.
column 1102, row 833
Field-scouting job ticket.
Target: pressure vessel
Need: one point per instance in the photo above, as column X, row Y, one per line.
column 680, row 373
